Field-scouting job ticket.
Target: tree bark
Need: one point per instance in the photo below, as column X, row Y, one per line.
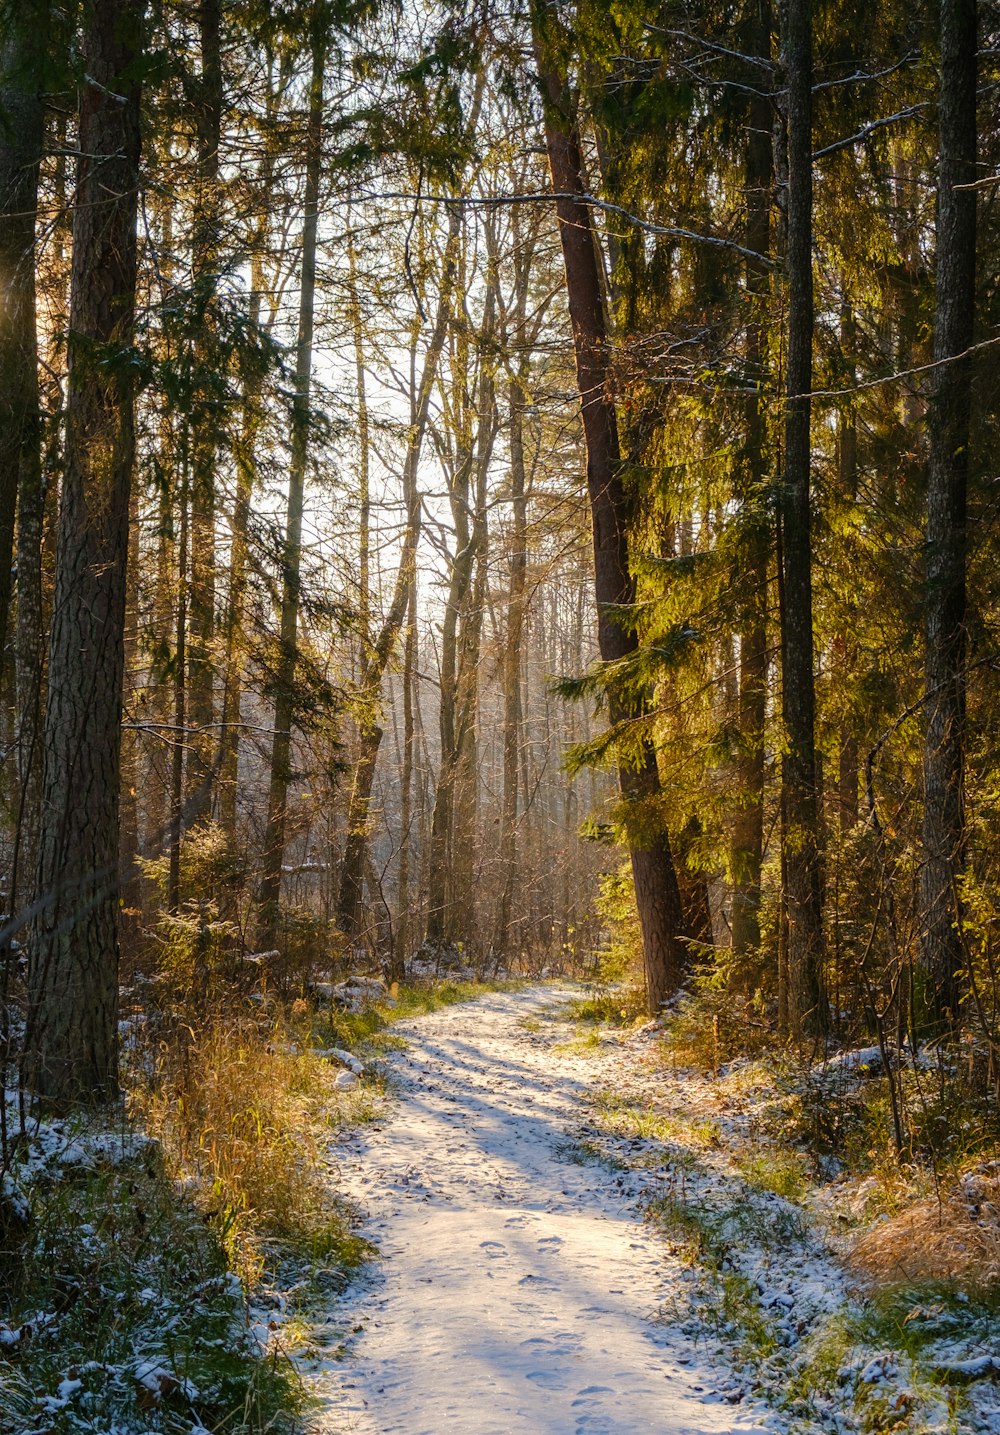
column 284, row 709
column 947, row 479
column 20, row 154
column 205, row 259
column 747, row 844
column 21, row 485
column 72, row 1036
column 656, row 889
column 807, row 1008
column 848, row 765
column 512, row 664
column 245, row 456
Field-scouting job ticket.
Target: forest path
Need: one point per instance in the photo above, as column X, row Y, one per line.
column 519, row 1292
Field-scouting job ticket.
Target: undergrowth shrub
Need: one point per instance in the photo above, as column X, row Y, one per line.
column 619, row 958
column 310, row 947
column 721, row 1016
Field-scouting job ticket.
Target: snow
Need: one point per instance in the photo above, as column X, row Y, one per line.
column 343, row 1058
column 973, row 1369
column 520, row 1292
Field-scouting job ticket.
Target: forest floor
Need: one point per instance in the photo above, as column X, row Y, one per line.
column 575, row 1239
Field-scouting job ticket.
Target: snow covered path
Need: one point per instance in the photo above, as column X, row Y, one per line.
column 519, row 1292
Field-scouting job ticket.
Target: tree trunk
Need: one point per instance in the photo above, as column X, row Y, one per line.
column 180, row 688
column 693, row 883
column 20, row 155
column 403, row 922
column 284, row 708
column 747, row 847
column 246, row 475
column 205, row 260
column 450, row 873
column 246, row 480
column 848, row 770
column 72, row 1036
column 512, row 664
column 656, row 889
column 949, row 415
column 807, row 1007
column 131, row 892
column 21, row 485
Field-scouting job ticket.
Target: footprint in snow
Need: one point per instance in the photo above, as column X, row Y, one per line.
column 585, row 1396
column 493, row 1249
column 547, row 1379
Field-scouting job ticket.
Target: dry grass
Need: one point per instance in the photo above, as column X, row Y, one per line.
column 237, row 1115
column 952, row 1239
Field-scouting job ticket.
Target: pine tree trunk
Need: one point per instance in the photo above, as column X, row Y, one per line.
column 20, row 155
column 180, row 694
column 246, row 481
column 944, row 742
column 284, row 708
column 807, row 1007
column 848, row 769
column 747, row 847
column 656, row 889
column 131, row 894
column 20, row 428
column 205, row 258
column 72, row 1036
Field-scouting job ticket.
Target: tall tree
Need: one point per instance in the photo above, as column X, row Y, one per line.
column 72, row 1037
column 205, row 242
column 803, row 896
column 21, row 127
column 947, row 481
column 747, row 845
column 24, row 33
column 452, row 836
column 656, row 889
column 284, row 708
column 525, row 241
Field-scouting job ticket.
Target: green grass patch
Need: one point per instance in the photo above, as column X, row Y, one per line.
column 781, row 1171
column 579, row 1045
column 612, row 1006
column 626, row 1118
column 586, row 1152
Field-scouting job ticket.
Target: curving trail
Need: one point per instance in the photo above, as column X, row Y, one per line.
column 519, row 1292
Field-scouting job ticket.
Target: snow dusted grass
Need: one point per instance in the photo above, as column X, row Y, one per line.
column 120, row 1313
column 123, row 1297
column 766, row 1225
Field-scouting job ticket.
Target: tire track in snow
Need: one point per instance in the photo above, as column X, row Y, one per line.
column 519, row 1292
